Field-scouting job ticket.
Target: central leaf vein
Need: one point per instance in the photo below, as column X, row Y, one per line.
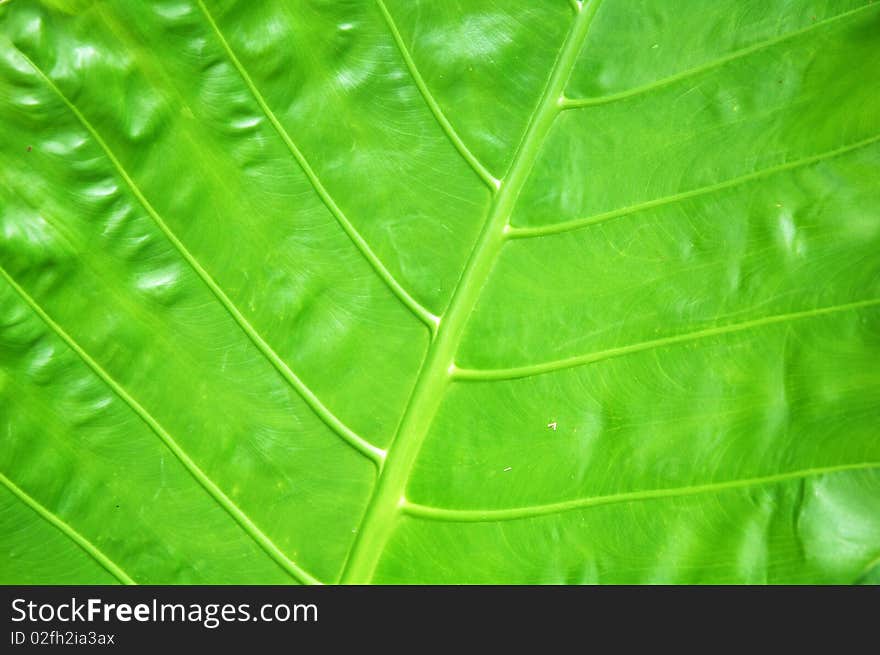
column 434, row 377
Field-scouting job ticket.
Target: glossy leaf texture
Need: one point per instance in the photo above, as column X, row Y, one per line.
column 440, row 291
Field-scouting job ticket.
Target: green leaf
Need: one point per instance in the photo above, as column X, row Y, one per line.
column 439, row 291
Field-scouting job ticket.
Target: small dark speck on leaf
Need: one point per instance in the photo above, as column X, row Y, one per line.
column 29, row 148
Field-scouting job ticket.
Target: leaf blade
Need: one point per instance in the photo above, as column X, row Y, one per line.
column 681, row 394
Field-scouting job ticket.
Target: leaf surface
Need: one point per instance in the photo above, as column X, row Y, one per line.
column 439, row 292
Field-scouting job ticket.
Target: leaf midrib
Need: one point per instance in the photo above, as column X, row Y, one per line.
column 481, row 261
column 387, row 499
